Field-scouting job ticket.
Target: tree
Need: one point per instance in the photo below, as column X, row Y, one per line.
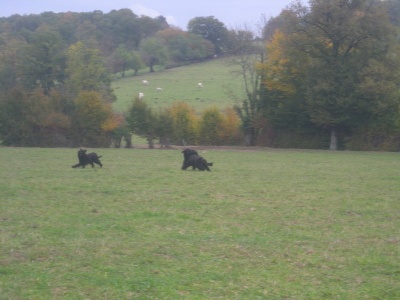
column 43, row 62
column 93, row 120
column 122, row 60
column 164, row 128
column 352, row 70
column 283, row 99
column 32, row 119
column 184, row 47
column 249, row 106
column 153, row 52
column 141, row 121
column 86, row 71
column 211, row 29
column 10, row 60
column 210, row 127
column 185, row 123
column 230, row 128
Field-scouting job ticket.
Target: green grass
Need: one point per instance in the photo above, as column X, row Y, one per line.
column 264, row 224
column 180, row 84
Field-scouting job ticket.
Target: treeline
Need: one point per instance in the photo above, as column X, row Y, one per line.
column 38, row 120
column 322, row 75
column 330, row 77
column 56, row 71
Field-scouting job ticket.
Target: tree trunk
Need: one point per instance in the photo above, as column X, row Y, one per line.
column 150, row 141
column 128, row 140
column 250, row 138
column 334, row 141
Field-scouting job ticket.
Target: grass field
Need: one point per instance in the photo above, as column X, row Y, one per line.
column 265, row 224
column 180, row 84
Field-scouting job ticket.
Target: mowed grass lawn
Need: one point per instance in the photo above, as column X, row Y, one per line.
column 264, row 224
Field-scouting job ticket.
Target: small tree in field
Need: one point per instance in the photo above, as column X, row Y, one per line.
column 164, row 128
column 184, row 124
column 93, row 120
column 210, row 127
column 230, row 133
column 142, row 121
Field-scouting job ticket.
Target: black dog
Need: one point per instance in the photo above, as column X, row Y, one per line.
column 192, row 159
column 85, row 159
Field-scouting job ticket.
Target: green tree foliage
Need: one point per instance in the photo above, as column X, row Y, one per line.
column 211, row 29
column 154, row 52
column 184, row 47
column 32, row 119
column 333, row 65
column 250, row 106
column 350, row 51
column 92, row 121
column 42, row 60
column 142, row 121
column 123, row 59
column 86, row 71
column 210, row 127
column 185, row 124
column 164, row 128
column 10, row 57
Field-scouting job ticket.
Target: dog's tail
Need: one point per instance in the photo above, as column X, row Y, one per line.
column 210, row 164
column 99, row 156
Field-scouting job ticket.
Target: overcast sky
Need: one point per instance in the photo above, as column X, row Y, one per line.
column 233, row 13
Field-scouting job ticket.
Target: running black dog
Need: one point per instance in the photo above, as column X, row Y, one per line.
column 85, row 159
column 192, row 159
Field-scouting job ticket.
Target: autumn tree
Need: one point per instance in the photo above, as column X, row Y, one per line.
column 229, row 133
column 351, row 62
column 32, row 119
column 185, row 124
column 93, row 120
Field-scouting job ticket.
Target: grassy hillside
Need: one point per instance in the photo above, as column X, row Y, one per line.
column 180, row 84
column 261, row 225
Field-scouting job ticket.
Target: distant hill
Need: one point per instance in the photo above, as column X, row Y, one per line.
column 221, row 86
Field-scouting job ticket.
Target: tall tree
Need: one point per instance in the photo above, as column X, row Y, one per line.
column 211, row 29
column 123, row 59
column 86, row 71
column 43, row 60
column 352, row 70
column 184, row 124
column 153, row 52
column 92, row 121
column 185, row 47
column 32, row 119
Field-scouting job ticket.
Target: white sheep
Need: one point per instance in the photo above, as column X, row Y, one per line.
column 159, row 89
column 200, row 85
column 145, row 82
column 141, row 95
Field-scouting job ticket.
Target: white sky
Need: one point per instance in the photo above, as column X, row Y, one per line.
column 233, row 13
